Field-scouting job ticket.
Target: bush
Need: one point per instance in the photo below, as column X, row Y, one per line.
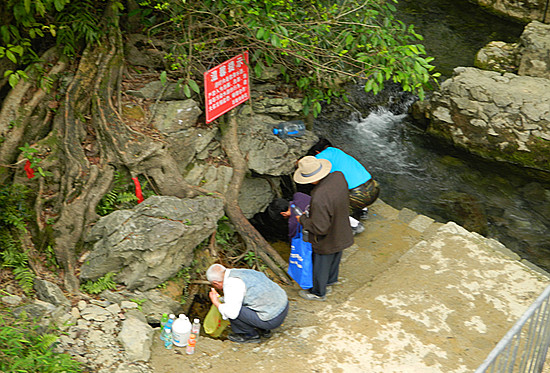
column 24, row 349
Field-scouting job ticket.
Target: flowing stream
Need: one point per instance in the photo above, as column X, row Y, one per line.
column 442, row 183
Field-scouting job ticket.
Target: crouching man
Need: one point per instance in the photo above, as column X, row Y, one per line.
column 253, row 303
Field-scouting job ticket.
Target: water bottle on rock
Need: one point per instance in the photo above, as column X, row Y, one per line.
column 294, row 128
column 191, row 342
column 168, row 343
column 163, row 320
column 196, row 327
column 167, row 324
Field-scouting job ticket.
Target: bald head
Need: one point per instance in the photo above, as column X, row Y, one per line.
column 215, row 273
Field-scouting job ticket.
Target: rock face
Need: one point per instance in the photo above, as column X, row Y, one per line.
column 149, row 244
column 523, row 11
column 535, row 56
column 500, row 117
column 496, row 114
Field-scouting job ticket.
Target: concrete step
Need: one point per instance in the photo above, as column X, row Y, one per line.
column 416, row 296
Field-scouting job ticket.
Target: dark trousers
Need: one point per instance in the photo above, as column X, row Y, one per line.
column 325, row 271
column 248, row 321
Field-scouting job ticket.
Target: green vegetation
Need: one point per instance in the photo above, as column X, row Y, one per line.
column 314, row 44
column 27, row 24
column 103, row 283
column 24, row 349
column 14, row 213
column 122, row 195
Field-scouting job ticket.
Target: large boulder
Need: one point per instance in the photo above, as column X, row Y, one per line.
column 149, row 244
column 523, row 11
column 499, row 117
column 266, row 153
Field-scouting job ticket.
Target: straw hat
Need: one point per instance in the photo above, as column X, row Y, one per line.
column 311, row 169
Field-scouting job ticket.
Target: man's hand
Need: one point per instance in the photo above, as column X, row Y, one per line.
column 214, row 297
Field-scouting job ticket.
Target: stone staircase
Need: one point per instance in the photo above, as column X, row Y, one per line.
column 416, row 296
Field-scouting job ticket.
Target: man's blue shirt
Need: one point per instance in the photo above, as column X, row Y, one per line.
column 354, row 172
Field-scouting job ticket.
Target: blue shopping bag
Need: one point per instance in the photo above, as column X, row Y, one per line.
column 300, row 264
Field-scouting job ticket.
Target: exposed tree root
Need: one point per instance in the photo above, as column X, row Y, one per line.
column 249, row 234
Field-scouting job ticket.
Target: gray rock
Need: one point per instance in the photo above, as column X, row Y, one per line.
column 498, row 56
column 535, row 53
column 34, row 310
column 95, row 313
column 499, row 117
column 155, row 304
column 149, row 244
column 136, row 337
column 49, row 292
column 523, row 11
column 12, row 300
column 268, row 154
column 176, row 116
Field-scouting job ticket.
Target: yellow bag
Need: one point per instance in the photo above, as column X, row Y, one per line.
column 214, row 324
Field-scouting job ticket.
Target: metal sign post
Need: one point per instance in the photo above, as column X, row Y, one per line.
column 226, row 86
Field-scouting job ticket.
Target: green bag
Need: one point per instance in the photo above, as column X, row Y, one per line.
column 214, row 324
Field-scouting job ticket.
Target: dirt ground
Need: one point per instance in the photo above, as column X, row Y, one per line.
column 397, row 310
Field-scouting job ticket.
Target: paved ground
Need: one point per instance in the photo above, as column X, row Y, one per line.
column 416, row 296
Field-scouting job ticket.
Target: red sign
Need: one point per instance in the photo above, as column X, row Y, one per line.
column 226, row 86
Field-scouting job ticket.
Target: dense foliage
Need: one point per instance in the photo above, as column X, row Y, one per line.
column 14, row 215
column 24, row 349
column 314, row 43
column 30, row 26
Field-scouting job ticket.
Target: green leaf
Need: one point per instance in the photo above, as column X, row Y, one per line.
column 163, row 78
column 11, row 56
column 186, row 90
column 194, row 86
column 275, row 41
column 260, row 33
column 13, row 80
column 258, row 70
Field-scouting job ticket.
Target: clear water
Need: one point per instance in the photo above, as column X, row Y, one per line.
column 437, row 181
column 448, row 186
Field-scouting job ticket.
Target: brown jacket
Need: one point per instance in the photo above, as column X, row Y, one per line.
column 328, row 221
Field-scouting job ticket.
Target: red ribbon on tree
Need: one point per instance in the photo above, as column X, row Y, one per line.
column 29, row 170
column 139, row 195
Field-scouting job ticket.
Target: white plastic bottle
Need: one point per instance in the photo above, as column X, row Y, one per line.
column 181, row 329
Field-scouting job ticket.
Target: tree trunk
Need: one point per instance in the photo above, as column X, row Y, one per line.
column 88, row 115
column 250, row 235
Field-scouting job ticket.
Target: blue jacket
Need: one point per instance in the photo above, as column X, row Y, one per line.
column 354, row 172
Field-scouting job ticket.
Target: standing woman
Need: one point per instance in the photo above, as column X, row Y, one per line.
column 328, row 222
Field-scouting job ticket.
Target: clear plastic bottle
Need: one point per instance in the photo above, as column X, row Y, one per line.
column 163, row 320
column 296, row 210
column 196, row 328
column 294, row 128
column 168, row 325
column 167, row 332
column 191, row 343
